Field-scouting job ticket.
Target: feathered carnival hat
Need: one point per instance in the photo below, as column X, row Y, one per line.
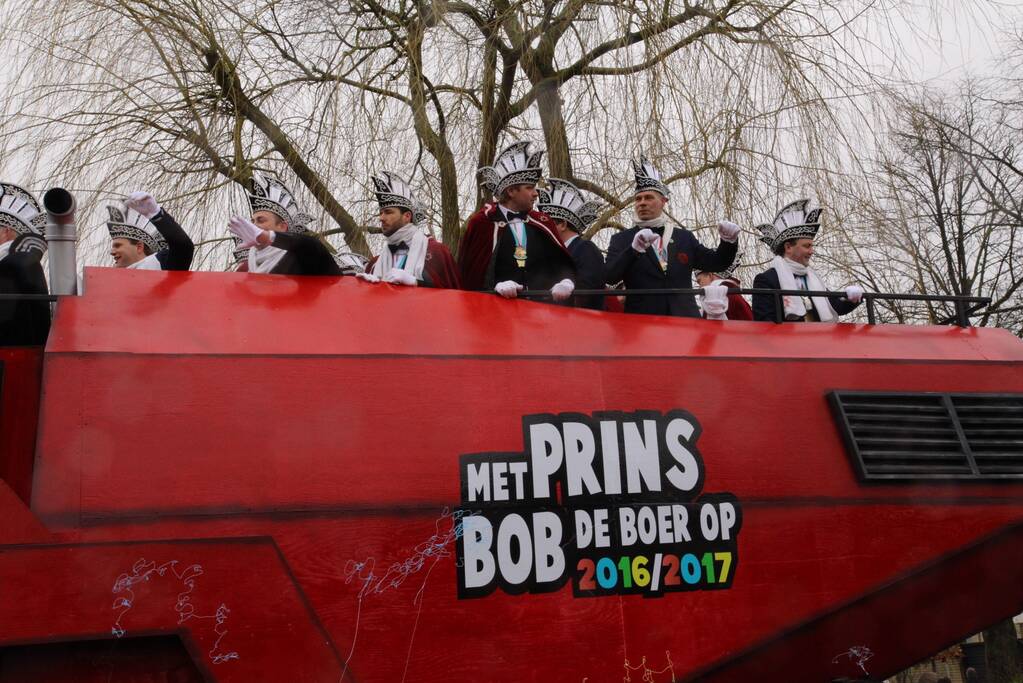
column 648, row 177
column 130, row 224
column 800, row 219
column 729, row 272
column 20, row 211
column 515, row 165
column 270, row 194
column 563, row 201
column 393, row 191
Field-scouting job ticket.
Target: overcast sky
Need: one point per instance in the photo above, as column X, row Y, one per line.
column 960, row 38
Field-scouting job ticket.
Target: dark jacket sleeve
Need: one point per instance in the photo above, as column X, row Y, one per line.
column 712, row 260
column 589, row 266
column 309, row 252
column 620, row 257
column 179, row 251
column 842, row 305
column 763, row 304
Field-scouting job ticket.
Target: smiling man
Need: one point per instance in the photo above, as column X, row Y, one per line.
column 145, row 237
column 654, row 254
column 791, row 237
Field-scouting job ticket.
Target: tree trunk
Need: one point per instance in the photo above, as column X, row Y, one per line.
column 1002, row 654
column 548, row 101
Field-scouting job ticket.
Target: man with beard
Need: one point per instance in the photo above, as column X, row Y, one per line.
column 411, row 257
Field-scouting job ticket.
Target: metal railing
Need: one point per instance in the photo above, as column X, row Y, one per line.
column 965, row 306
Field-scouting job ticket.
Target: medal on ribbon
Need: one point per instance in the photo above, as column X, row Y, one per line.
column 518, row 231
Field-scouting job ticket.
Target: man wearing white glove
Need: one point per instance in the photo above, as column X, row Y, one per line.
column 508, row 246
column 791, row 237
column 410, row 257
column 276, row 238
column 654, row 254
column 143, row 236
column 738, row 308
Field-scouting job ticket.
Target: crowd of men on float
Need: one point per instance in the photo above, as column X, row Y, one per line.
column 530, row 237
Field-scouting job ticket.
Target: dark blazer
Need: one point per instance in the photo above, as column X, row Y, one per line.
column 589, row 268
column 763, row 304
column 178, row 254
column 307, row 255
column 643, row 271
column 23, row 323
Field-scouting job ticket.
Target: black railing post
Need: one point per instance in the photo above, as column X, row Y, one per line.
column 779, row 308
column 870, row 309
column 962, row 320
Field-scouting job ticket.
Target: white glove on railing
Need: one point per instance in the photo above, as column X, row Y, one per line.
column 562, row 290
column 643, row 239
column 246, row 231
column 401, row 277
column 509, row 289
column 728, row 231
column 715, row 302
column 854, row 293
column 143, row 202
column 368, row 277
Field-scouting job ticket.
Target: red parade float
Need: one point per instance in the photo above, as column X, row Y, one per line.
column 230, row 477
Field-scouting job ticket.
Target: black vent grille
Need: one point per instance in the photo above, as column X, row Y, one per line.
column 932, row 435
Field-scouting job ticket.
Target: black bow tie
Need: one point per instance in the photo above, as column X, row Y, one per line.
column 516, row 215
column 395, row 248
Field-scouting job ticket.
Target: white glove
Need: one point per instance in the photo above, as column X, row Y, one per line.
column 246, row 231
column 509, row 289
column 397, row 276
column 144, row 203
column 728, row 231
column 715, row 302
column 563, row 290
column 368, row 277
column 854, row 293
column 643, row 239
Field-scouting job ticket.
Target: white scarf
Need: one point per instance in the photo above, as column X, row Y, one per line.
column 664, row 240
column 416, row 240
column 787, row 269
column 5, row 248
column 148, row 263
column 264, row 260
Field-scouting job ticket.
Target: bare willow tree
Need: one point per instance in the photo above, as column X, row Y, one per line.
column 940, row 213
column 732, row 98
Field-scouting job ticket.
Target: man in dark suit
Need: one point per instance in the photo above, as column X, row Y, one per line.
column 791, row 239
column 277, row 238
column 653, row 254
column 572, row 214
column 143, row 236
column 22, row 323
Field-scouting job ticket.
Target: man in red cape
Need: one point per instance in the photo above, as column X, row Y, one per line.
column 410, row 257
column 738, row 308
column 508, row 246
